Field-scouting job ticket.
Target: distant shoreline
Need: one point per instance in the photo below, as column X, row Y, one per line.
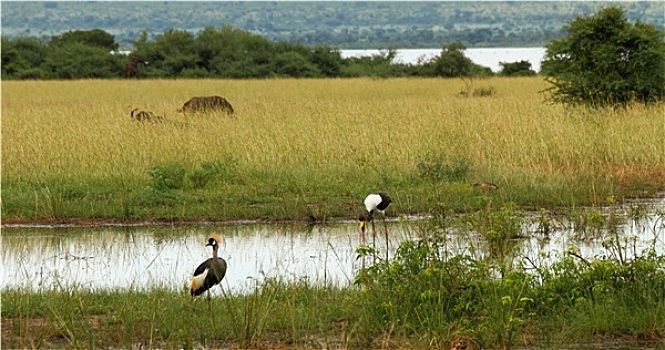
column 487, row 57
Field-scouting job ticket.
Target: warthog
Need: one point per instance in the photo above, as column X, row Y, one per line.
column 146, row 116
column 207, row 104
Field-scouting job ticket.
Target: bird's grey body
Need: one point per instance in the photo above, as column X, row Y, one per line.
column 210, row 272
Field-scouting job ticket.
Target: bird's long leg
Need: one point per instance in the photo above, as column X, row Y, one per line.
column 386, row 232
column 363, row 242
column 374, row 240
column 209, row 302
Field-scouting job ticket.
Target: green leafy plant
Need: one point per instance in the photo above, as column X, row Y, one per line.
column 606, row 61
column 168, row 176
column 516, row 69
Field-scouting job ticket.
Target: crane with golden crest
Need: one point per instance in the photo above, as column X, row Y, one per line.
column 211, row 271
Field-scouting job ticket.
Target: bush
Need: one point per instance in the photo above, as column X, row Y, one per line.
column 80, row 61
column 208, row 172
column 168, row 176
column 606, row 61
column 453, row 63
column 516, row 69
column 427, row 289
column 22, row 57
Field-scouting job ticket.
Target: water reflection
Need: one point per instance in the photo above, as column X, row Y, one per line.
column 97, row 258
column 145, row 257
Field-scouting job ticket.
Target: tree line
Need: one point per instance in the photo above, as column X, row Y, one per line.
column 225, row 52
column 604, row 60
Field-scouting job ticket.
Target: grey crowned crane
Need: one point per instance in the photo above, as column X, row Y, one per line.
column 211, row 271
column 377, row 202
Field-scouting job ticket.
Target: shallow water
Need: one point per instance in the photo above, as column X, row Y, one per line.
column 161, row 256
column 145, row 257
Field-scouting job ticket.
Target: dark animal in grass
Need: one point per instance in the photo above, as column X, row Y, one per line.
column 205, row 104
column 132, row 67
column 211, row 271
column 145, row 116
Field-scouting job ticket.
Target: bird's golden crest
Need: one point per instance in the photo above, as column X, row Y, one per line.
column 216, row 237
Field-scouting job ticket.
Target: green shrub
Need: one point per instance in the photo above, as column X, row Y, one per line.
column 211, row 171
column 516, row 69
column 168, row 176
column 606, row 61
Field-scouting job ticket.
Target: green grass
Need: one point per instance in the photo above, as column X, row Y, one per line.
column 299, row 149
column 406, row 304
column 425, row 297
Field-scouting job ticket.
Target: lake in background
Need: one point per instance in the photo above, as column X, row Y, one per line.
column 488, row 57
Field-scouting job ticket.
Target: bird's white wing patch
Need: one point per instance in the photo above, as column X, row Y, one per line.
column 197, row 281
column 372, row 201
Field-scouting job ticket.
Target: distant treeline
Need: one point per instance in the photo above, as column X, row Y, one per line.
column 223, row 52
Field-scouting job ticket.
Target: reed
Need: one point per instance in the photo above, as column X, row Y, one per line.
column 299, row 148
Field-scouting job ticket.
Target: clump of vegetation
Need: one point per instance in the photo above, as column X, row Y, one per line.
column 470, row 91
column 606, row 61
column 452, row 63
column 428, row 291
column 516, row 69
column 176, row 176
column 168, row 176
column 436, row 168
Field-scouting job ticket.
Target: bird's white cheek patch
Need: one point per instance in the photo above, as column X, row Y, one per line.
column 197, row 281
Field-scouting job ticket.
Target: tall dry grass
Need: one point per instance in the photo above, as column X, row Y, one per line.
column 348, row 131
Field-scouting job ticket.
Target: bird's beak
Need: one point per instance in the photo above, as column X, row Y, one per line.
column 207, row 244
column 362, row 223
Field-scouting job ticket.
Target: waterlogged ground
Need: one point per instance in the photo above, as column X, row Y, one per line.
column 143, row 257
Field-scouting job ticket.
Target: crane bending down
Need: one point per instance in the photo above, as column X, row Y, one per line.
column 373, row 203
column 211, row 271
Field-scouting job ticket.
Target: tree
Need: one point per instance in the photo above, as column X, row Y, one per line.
column 22, row 57
column 328, row 59
column 453, row 63
column 293, row 64
column 95, row 37
column 516, row 69
column 606, row 61
column 79, row 61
